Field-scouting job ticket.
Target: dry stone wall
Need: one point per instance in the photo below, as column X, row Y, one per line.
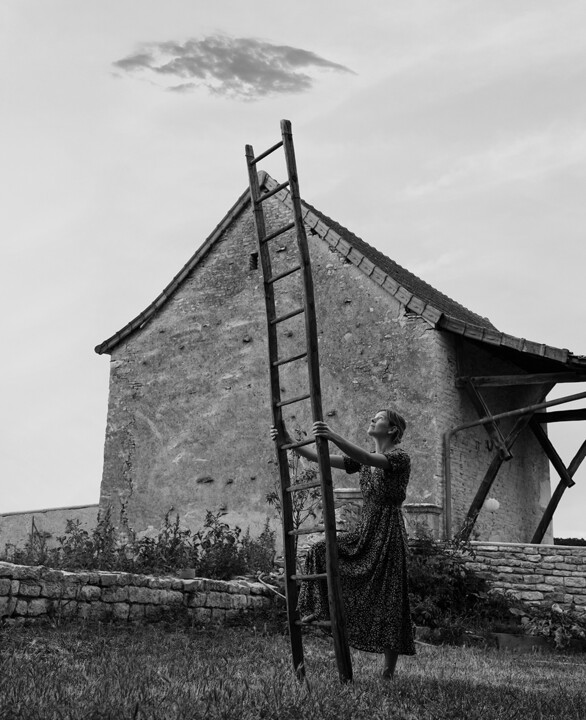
column 537, row 574
column 37, row 592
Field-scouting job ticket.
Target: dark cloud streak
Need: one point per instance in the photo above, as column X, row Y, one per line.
column 244, row 68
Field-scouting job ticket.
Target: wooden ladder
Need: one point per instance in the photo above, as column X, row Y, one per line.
column 310, row 352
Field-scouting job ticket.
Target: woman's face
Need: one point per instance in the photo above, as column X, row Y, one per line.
column 379, row 425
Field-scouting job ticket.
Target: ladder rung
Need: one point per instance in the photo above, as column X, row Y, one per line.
column 292, row 400
column 278, row 232
column 288, row 315
column 316, row 576
column 308, row 531
column 315, row 623
column 265, row 153
column 284, row 361
column 284, row 274
column 266, row 196
column 303, row 486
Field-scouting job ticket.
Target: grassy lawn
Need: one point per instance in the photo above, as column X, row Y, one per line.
column 109, row 671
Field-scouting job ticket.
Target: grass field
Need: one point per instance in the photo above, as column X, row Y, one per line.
column 109, row 671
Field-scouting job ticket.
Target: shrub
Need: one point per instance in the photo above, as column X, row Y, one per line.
column 448, row 596
column 217, row 551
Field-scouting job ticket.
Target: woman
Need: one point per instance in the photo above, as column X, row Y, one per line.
column 373, row 558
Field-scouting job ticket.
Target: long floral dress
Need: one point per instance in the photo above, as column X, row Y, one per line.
column 373, row 564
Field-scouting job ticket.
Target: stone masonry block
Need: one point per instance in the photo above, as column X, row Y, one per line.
column 258, row 589
column 196, row 585
column 142, row 595
column 554, row 580
column 23, row 572
column 255, row 602
column 172, row 597
column 574, row 581
column 531, row 596
column 21, row 608
column 217, row 600
column 108, row 579
column 90, row 592
column 38, row 606
column 29, row 589
column 115, row 594
column 121, row 610
column 528, row 579
column 6, row 569
column 51, row 589
column 5, row 584
column 14, row 587
column 239, row 601
column 196, row 600
column 7, row 606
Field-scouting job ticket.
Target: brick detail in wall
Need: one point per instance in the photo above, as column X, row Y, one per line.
column 36, row 592
column 537, row 574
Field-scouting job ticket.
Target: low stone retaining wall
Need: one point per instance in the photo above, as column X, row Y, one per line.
column 36, row 592
column 536, row 574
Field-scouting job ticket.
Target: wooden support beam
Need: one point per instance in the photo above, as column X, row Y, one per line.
column 557, row 496
column 560, row 416
column 527, row 379
column 551, row 453
column 489, row 478
column 492, row 428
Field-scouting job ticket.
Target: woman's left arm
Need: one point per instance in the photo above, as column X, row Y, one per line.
column 349, row 448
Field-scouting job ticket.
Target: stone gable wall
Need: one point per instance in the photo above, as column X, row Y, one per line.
column 36, row 592
column 189, row 410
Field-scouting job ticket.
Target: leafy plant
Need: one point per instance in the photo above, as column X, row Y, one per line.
column 561, row 626
column 259, row 553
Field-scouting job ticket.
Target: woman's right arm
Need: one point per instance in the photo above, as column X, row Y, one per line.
column 336, row 461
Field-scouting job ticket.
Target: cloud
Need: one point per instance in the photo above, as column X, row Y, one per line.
column 243, row 68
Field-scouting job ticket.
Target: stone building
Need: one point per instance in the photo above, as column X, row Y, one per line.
column 189, row 412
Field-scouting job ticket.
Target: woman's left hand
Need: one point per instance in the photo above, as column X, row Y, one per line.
column 322, row 429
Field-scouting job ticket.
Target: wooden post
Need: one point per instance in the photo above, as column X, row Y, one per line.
column 557, row 495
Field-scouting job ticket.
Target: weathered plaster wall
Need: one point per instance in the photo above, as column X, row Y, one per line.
column 189, row 409
column 38, row 592
column 16, row 528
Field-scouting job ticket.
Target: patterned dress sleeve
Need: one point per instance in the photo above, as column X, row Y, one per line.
column 397, row 475
column 351, row 466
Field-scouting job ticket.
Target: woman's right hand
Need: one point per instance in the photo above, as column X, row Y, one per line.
column 275, row 434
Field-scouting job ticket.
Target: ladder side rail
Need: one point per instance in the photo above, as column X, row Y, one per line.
column 291, row 589
column 337, row 615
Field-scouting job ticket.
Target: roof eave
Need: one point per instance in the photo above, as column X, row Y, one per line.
column 499, row 339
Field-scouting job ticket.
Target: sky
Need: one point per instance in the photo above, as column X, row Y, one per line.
column 449, row 135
